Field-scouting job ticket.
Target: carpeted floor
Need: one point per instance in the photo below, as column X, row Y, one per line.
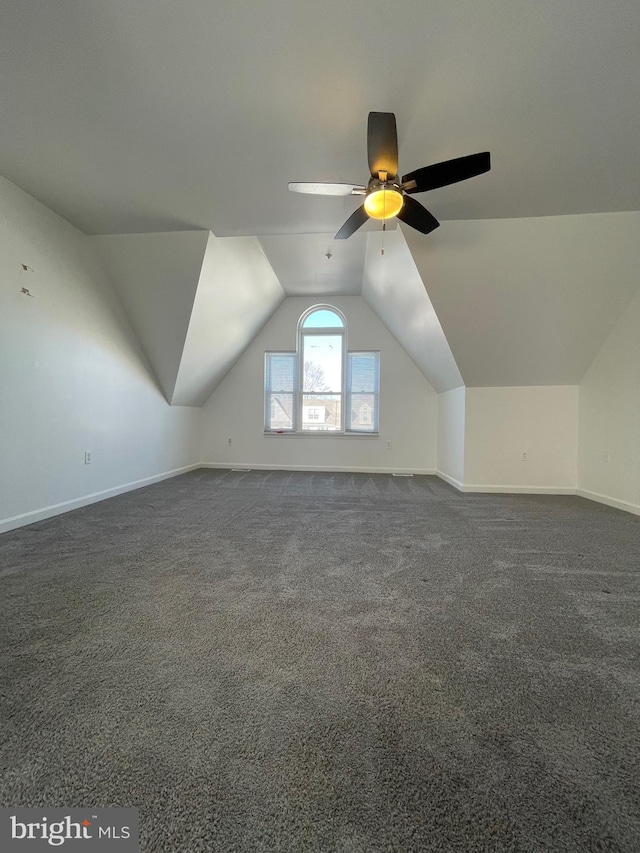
column 276, row 661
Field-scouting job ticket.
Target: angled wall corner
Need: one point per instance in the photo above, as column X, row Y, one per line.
column 451, row 436
column 392, row 286
column 237, row 292
column 156, row 277
column 609, row 426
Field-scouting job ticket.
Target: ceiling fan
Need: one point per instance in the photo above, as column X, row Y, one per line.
column 385, row 196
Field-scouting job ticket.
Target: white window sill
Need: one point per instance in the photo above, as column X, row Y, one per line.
column 323, row 434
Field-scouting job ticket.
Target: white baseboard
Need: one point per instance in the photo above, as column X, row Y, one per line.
column 517, row 490
column 475, row 488
column 609, row 501
column 337, row 469
column 25, row 518
column 451, row 480
column 471, row 488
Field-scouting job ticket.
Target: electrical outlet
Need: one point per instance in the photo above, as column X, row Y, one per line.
column 229, row 441
column 88, row 457
column 606, row 457
column 387, row 445
column 523, row 456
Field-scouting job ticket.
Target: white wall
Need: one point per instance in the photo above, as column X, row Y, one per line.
column 451, row 429
column 72, row 377
column 609, row 437
column 504, row 423
column 408, row 405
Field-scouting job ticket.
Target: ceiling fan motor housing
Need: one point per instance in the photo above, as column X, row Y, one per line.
column 384, row 199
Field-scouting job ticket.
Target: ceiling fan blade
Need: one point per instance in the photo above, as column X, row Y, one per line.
column 321, row 188
column 382, row 144
column 414, row 214
column 449, row 172
column 357, row 219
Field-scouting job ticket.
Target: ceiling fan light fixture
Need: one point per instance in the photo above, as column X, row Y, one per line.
column 383, row 202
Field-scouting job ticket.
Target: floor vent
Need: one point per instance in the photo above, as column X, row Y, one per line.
column 402, row 475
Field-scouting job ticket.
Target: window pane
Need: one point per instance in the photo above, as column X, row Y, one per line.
column 280, row 390
column 280, row 411
column 362, row 413
column 321, row 412
column 363, row 371
column 322, row 319
column 363, row 381
column 322, row 360
column 281, row 369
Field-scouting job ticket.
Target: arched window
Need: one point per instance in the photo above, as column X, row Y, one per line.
column 322, row 388
column 322, row 317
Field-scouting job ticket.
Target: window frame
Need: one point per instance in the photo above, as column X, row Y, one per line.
column 345, row 393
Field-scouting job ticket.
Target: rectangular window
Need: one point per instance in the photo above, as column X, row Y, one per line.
column 280, row 391
column 363, row 391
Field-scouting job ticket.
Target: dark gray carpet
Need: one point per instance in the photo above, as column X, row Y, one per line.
column 328, row 662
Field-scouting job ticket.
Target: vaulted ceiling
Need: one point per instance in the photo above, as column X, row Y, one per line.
column 137, row 117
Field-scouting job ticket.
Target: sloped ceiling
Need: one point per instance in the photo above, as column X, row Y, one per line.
column 394, row 289
column 195, row 300
column 237, row 293
column 156, row 277
column 529, row 301
column 133, row 118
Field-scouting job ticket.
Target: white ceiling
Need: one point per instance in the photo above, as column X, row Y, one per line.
column 138, row 116
column 300, row 261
